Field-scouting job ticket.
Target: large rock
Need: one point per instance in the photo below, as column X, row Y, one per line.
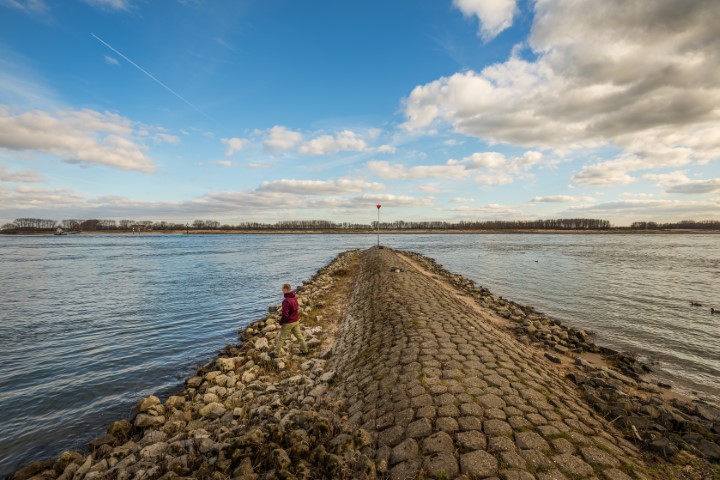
column 145, row 420
column 66, row 458
column 152, row 452
column 478, row 464
column 120, row 429
column 262, row 344
column 146, row 403
column 212, row 410
column 225, row 364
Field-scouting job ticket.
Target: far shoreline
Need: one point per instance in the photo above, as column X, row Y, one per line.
column 374, row 233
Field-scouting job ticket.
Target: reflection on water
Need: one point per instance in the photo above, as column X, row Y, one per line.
column 91, row 324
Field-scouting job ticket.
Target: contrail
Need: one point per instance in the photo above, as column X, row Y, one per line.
column 153, row 78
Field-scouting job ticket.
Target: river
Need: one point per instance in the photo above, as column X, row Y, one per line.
column 89, row 324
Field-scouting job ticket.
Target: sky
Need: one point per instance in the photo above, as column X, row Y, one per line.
column 270, row 110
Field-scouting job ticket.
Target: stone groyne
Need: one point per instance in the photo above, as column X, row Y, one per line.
column 415, row 373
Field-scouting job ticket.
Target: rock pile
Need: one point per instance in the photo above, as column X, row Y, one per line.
column 639, row 410
column 242, row 416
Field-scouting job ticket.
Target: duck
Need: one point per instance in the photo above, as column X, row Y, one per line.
column 713, row 311
column 695, row 304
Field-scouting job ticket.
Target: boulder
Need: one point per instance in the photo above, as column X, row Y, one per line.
column 145, row 420
column 212, row 410
column 146, row 403
column 120, row 429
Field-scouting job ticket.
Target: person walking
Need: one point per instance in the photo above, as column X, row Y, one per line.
column 289, row 322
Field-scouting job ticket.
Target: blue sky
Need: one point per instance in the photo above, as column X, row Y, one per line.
column 440, row 110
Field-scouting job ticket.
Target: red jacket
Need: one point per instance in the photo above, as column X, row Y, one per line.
column 290, row 312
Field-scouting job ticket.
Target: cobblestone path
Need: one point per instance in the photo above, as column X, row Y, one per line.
column 449, row 395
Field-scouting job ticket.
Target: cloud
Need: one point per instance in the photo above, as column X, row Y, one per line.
column 368, row 201
column 497, row 168
column 398, row 171
column 258, row 165
column 279, row 139
column 165, row 138
column 561, row 199
column 121, row 5
column 386, row 149
column 234, row 145
column 111, row 60
column 20, row 176
column 494, row 15
column 492, row 210
column 668, row 179
column 319, row 187
column 78, row 136
column 652, row 90
column 28, row 6
column 429, row 188
column 696, row 187
column 461, row 200
column 224, row 163
column 648, row 209
column 345, row 140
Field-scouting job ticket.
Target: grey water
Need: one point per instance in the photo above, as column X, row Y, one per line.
column 90, row 324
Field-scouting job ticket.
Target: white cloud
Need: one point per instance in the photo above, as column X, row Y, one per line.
column 165, row 138
column 461, row 200
column 494, row 15
column 678, row 182
column 492, row 210
column 111, row 60
column 627, row 211
column 319, row 187
column 429, row 188
column 77, row 136
column 368, row 201
column 109, row 4
column 260, row 165
column 386, row 149
column 345, row 140
column 652, row 89
column 225, row 163
column 20, row 176
column 279, row 139
column 497, row 168
column 561, row 199
column 28, row 6
column 234, row 145
column 398, row 171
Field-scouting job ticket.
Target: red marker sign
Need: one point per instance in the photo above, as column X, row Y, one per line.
column 378, row 205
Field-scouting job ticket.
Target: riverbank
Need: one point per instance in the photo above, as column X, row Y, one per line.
column 414, row 372
column 383, row 232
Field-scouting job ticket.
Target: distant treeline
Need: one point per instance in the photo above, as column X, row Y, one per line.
column 95, row 225
column 683, row 225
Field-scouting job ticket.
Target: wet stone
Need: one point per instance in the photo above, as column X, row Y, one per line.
column 478, row 464
column 562, row 445
column 535, row 459
column 572, row 465
column 470, row 441
column 441, row 465
column 496, row 427
column 518, row 422
column 551, row 475
column 391, row 436
column 440, row 442
column 426, row 412
column 491, row 401
column 595, row 456
column 404, row 417
column 419, row 428
column 469, row 423
column 513, row 460
column 531, row 441
column 405, row 470
column 447, row 424
column 516, row 475
column 448, row 411
column 406, row 450
column 501, row 444
column 615, row 474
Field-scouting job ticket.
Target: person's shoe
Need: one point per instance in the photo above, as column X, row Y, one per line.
column 272, row 355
